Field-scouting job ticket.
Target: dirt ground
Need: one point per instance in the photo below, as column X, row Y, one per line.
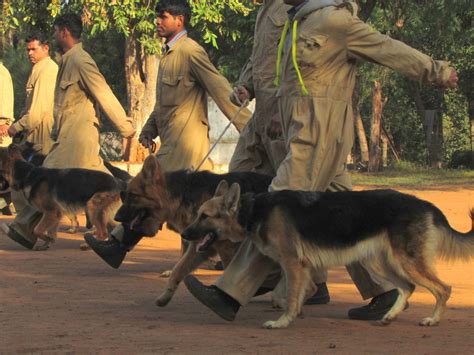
column 68, row 300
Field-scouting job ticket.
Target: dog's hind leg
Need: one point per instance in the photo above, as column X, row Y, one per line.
column 74, row 224
column 189, row 261
column 101, row 208
column 423, row 275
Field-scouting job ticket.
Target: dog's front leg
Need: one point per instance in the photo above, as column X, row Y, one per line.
column 47, row 227
column 298, row 278
column 279, row 294
column 189, row 261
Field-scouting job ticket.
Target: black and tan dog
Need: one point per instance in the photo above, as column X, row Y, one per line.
column 397, row 236
column 153, row 198
column 55, row 192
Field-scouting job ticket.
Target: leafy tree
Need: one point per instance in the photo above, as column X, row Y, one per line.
column 443, row 30
column 134, row 20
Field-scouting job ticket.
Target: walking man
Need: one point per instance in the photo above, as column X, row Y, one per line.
column 79, row 93
column 315, row 74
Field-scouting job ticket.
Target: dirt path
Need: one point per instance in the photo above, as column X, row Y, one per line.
column 67, row 300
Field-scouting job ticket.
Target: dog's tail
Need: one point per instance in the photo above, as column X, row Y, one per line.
column 455, row 245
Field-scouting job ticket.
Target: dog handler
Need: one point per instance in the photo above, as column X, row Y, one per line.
column 37, row 119
column 316, row 72
column 80, row 89
column 186, row 78
column 6, row 118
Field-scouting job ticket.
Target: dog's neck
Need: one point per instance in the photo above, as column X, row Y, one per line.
column 246, row 206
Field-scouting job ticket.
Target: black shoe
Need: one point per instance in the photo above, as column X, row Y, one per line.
column 6, row 211
column 17, row 237
column 377, row 308
column 111, row 250
column 216, row 300
column 321, row 296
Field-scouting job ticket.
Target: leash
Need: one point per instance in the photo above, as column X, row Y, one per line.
column 231, row 121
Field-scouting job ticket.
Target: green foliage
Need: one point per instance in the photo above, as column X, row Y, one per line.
column 443, row 30
column 126, row 17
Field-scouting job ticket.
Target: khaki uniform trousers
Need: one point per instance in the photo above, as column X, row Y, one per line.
column 249, row 269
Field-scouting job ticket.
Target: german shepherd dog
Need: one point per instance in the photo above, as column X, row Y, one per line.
column 397, row 236
column 154, row 197
column 55, row 192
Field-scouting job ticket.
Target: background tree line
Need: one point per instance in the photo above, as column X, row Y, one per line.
column 395, row 118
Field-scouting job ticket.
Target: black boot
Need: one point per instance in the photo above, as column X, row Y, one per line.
column 6, row 211
column 321, row 296
column 215, row 299
column 113, row 251
column 377, row 308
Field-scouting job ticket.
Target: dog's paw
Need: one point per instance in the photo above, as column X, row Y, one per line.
column 428, row 322
column 166, row 273
column 164, row 299
column 387, row 319
column 274, row 324
column 42, row 247
column 84, row 246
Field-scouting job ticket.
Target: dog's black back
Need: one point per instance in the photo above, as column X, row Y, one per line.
column 340, row 219
column 70, row 186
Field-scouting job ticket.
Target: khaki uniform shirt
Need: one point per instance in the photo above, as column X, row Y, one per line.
column 6, row 101
column 319, row 127
column 37, row 119
column 186, row 77
column 80, row 91
column 255, row 151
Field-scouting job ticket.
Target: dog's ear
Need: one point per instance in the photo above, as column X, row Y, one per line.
column 151, row 169
column 222, row 188
column 232, row 198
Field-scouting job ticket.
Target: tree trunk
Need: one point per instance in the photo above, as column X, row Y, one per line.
column 384, row 150
column 471, row 120
column 375, row 128
column 364, row 148
column 359, row 124
column 140, row 72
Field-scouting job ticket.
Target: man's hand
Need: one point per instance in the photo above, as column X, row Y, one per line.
column 4, row 130
column 241, row 93
column 452, row 82
column 275, row 129
column 146, row 140
column 12, row 131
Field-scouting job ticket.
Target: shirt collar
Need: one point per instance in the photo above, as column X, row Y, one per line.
column 292, row 12
column 168, row 45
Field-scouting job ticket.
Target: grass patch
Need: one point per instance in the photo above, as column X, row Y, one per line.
column 414, row 177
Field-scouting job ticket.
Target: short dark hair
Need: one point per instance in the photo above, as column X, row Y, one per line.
column 37, row 36
column 175, row 8
column 72, row 22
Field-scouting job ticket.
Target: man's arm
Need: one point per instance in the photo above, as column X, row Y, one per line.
column 149, row 130
column 6, row 106
column 246, row 78
column 217, row 87
column 365, row 43
column 95, row 83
